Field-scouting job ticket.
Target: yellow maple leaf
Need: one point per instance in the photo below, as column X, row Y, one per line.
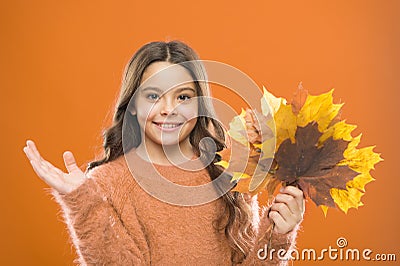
column 286, row 124
column 337, row 131
column 270, row 103
column 319, row 108
column 346, row 199
column 239, row 175
column 223, row 163
column 303, row 111
column 267, row 148
column 362, row 161
column 237, row 127
column 324, row 209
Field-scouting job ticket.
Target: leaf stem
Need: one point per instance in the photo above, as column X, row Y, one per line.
column 270, row 237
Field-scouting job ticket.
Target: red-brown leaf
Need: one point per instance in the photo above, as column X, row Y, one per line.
column 314, row 169
column 299, row 98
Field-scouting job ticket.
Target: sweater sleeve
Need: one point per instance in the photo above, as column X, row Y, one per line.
column 280, row 244
column 96, row 229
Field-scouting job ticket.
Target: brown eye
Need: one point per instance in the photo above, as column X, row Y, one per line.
column 184, row 97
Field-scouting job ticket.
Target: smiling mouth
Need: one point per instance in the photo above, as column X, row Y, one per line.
column 168, row 125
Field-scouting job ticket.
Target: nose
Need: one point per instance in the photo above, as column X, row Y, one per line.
column 168, row 107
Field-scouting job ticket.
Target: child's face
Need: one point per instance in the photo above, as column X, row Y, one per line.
column 165, row 108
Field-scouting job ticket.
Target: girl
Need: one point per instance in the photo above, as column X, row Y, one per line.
column 112, row 220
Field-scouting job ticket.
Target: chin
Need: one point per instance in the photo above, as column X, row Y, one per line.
column 170, row 142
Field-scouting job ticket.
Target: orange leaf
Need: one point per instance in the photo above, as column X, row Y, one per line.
column 299, row 98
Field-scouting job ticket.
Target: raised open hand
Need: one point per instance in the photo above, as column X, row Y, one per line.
column 54, row 177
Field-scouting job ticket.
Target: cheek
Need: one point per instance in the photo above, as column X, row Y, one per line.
column 146, row 112
column 191, row 124
column 188, row 111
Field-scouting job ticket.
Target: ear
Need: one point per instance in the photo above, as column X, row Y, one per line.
column 132, row 111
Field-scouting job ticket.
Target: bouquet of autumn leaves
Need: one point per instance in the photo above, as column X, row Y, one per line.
column 303, row 143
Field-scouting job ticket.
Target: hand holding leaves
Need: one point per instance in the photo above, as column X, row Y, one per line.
column 287, row 210
column 314, row 151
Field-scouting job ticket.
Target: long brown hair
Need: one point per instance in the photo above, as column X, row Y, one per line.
column 235, row 220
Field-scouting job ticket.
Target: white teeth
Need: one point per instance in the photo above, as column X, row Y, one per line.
column 169, row 125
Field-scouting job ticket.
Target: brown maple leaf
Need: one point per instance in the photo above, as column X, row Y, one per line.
column 313, row 169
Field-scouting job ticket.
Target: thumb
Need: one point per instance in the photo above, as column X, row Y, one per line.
column 70, row 162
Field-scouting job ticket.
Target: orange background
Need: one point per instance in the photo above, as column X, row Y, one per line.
column 62, row 62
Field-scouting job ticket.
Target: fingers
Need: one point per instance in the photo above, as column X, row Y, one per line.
column 57, row 179
column 281, row 226
column 287, row 209
column 29, row 152
column 283, row 218
column 35, row 153
column 289, row 200
column 52, row 167
column 47, row 175
column 38, row 169
column 297, row 194
column 282, row 209
column 44, row 169
column 70, row 162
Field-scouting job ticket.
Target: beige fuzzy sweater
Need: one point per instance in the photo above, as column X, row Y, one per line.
column 113, row 221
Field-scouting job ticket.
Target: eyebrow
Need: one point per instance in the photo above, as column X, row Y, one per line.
column 161, row 91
